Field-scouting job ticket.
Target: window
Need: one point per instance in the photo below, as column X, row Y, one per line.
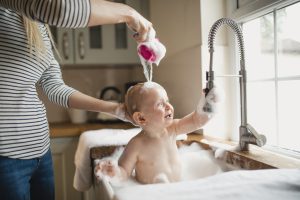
column 272, row 49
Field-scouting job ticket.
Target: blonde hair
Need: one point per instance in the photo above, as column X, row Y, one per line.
column 35, row 38
column 132, row 98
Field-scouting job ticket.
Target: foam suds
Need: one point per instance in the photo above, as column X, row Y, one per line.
column 161, row 178
column 151, row 51
column 150, row 85
column 196, row 163
column 113, row 160
column 120, row 113
column 148, row 70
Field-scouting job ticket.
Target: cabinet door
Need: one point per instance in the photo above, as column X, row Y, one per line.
column 63, row 153
column 64, row 43
column 107, row 44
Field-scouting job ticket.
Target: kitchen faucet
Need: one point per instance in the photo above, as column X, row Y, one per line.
column 247, row 134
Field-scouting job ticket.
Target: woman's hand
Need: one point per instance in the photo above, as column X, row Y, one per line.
column 122, row 114
column 107, row 12
column 82, row 101
column 139, row 25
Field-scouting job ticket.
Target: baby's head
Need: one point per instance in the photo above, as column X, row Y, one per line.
column 147, row 103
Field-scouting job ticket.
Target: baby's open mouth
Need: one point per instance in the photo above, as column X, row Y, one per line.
column 169, row 115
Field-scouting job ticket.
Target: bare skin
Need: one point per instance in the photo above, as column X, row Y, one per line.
column 107, row 12
column 153, row 152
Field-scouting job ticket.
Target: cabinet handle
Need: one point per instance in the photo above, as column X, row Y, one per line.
column 81, row 45
column 65, row 48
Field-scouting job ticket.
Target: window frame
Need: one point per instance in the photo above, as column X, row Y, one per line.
column 250, row 10
column 254, row 9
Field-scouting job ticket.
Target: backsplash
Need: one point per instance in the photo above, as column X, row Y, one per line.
column 91, row 81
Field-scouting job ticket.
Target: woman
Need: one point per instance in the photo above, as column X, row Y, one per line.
column 26, row 59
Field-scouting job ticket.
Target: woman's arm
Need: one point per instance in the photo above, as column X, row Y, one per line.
column 58, row 92
column 53, row 85
column 106, row 12
column 81, row 101
column 61, row 13
column 80, row 13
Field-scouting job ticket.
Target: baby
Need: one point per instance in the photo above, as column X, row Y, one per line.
column 153, row 153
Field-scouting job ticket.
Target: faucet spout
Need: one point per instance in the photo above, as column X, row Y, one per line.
column 248, row 135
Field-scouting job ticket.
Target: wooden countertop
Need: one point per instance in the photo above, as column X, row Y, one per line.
column 72, row 130
column 268, row 158
column 261, row 155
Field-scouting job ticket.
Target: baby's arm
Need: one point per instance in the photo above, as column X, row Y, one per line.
column 129, row 157
column 121, row 169
column 199, row 117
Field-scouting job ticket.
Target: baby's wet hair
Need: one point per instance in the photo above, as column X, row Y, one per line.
column 132, row 98
column 135, row 94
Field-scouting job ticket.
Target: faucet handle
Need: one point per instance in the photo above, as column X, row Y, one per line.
column 258, row 139
column 261, row 140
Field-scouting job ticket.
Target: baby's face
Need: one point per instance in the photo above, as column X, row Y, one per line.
column 156, row 107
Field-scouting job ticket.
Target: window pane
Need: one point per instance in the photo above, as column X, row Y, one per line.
column 276, row 119
column 261, row 109
column 288, row 41
column 259, row 47
column 289, row 111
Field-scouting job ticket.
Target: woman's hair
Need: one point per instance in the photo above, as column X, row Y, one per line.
column 35, row 38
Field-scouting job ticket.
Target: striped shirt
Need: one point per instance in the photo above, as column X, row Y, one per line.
column 24, row 130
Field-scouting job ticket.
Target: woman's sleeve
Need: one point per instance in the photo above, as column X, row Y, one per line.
column 53, row 85
column 60, row 13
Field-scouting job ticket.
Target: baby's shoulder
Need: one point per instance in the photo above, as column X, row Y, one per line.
column 135, row 144
column 136, row 139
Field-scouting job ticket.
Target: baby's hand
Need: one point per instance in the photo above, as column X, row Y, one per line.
column 215, row 95
column 208, row 104
column 106, row 167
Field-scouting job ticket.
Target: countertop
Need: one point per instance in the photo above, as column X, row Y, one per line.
column 269, row 158
column 264, row 158
column 72, row 130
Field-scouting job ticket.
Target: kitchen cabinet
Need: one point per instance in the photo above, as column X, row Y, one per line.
column 63, row 151
column 106, row 44
column 63, row 39
column 64, row 141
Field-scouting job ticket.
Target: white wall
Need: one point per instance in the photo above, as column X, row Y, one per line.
column 223, row 125
column 177, row 24
column 183, row 26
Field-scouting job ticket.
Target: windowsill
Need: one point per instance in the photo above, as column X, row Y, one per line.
column 263, row 157
column 283, row 151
